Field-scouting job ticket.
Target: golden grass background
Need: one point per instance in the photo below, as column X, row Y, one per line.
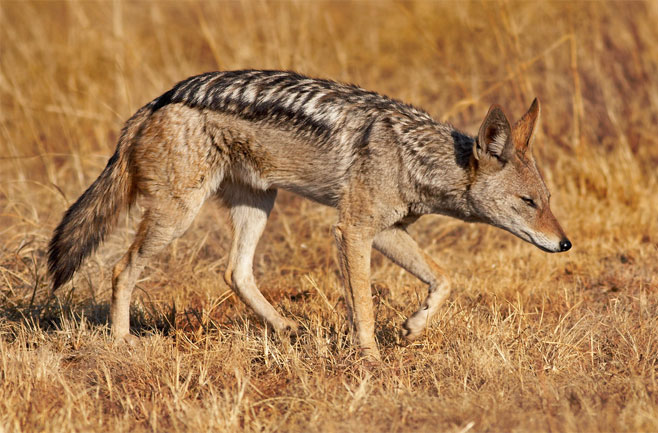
column 527, row 341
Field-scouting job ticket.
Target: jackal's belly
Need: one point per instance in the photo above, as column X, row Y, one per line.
column 325, row 193
column 319, row 184
column 318, row 176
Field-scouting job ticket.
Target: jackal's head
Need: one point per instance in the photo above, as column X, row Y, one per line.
column 507, row 190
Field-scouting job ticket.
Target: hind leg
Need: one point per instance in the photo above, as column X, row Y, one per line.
column 160, row 225
column 249, row 211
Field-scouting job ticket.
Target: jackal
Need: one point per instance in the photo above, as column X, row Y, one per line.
column 242, row 135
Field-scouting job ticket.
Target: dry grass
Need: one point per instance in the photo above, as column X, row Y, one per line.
column 528, row 341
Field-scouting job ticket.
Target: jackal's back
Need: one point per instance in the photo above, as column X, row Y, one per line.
column 311, row 107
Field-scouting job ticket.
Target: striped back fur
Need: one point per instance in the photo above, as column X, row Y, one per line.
column 312, row 107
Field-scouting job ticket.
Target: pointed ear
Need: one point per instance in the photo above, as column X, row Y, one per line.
column 524, row 130
column 494, row 135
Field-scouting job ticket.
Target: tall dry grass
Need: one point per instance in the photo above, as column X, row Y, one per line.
column 526, row 342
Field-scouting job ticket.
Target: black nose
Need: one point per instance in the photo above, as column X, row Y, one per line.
column 565, row 245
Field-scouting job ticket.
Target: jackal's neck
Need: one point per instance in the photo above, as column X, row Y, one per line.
column 439, row 160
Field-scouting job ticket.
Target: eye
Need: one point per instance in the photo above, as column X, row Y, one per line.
column 530, row 202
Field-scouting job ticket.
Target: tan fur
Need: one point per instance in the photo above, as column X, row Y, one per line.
column 382, row 164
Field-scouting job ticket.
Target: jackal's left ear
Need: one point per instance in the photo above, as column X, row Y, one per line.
column 523, row 131
column 494, row 135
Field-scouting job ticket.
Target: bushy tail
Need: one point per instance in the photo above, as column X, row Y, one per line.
column 96, row 212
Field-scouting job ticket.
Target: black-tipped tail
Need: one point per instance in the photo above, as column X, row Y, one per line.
column 86, row 223
column 96, row 212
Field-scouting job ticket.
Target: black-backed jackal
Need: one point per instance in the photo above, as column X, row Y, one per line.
column 242, row 135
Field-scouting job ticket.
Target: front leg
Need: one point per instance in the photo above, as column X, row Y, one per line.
column 354, row 247
column 396, row 244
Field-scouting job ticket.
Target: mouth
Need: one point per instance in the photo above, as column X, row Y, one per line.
column 530, row 239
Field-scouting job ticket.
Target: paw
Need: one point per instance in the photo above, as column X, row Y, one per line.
column 289, row 327
column 128, row 339
column 372, row 365
column 370, row 356
column 409, row 334
column 370, row 360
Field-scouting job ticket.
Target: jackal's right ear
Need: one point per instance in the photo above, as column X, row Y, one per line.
column 494, row 135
